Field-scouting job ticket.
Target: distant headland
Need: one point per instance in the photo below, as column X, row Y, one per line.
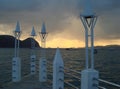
column 8, row 41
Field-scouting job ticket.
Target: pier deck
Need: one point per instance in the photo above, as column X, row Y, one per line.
column 28, row 82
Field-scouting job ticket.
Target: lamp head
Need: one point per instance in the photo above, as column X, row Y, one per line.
column 33, row 32
column 43, row 29
column 87, row 9
column 17, row 30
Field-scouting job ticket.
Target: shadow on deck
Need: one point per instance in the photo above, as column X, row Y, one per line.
column 29, row 82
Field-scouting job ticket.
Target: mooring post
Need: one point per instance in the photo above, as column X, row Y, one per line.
column 33, row 56
column 89, row 76
column 58, row 71
column 43, row 61
column 16, row 61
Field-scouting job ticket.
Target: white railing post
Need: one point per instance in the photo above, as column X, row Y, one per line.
column 58, row 71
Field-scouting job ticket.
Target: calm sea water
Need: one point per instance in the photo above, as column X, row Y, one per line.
column 107, row 61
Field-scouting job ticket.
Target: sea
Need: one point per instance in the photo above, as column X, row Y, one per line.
column 107, row 62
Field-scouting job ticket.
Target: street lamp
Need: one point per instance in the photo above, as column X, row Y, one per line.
column 43, row 61
column 33, row 56
column 16, row 62
column 89, row 18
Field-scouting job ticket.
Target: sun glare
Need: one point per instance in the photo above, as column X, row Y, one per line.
column 64, row 43
column 67, row 43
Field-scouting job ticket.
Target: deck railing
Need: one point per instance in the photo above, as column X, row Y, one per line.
column 72, row 78
column 76, row 75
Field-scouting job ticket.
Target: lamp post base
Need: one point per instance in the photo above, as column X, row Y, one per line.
column 43, row 70
column 16, row 69
column 33, row 64
column 89, row 79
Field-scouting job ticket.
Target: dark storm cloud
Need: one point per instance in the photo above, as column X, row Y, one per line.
column 53, row 12
column 109, row 22
column 108, row 12
column 18, row 5
column 57, row 14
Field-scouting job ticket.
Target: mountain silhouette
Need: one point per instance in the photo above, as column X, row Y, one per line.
column 7, row 41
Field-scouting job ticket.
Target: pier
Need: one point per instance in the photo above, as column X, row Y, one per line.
column 73, row 71
column 28, row 82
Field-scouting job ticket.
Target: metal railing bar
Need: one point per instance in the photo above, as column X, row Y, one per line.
column 72, row 70
column 110, row 83
column 50, row 81
column 102, row 87
column 50, row 74
column 49, row 63
column 66, row 83
column 51, row 78
column 71, row 85
column 50, row 66
column 101, row 80
column 73, row 76
column 50, row 71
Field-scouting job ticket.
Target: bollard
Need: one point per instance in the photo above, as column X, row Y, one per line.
column 43, row 72
column 16, row 69
column 89, row 79
column 33, row 64
column 58, row 71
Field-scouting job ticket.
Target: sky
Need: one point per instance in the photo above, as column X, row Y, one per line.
column 62, row 20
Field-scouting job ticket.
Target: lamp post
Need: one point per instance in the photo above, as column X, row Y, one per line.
column 33, row 56
column 43, row 61
column 89, row 18
column 16, row 62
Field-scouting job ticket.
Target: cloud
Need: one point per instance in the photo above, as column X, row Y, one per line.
column 18, row 5
column 54, row 12
column 61, row 17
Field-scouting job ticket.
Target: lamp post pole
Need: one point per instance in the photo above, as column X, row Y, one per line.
column 89, row 24
column 33, row 56
column 88, row 75
column 43, row 61
column 17, row 34
column 16, row 62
